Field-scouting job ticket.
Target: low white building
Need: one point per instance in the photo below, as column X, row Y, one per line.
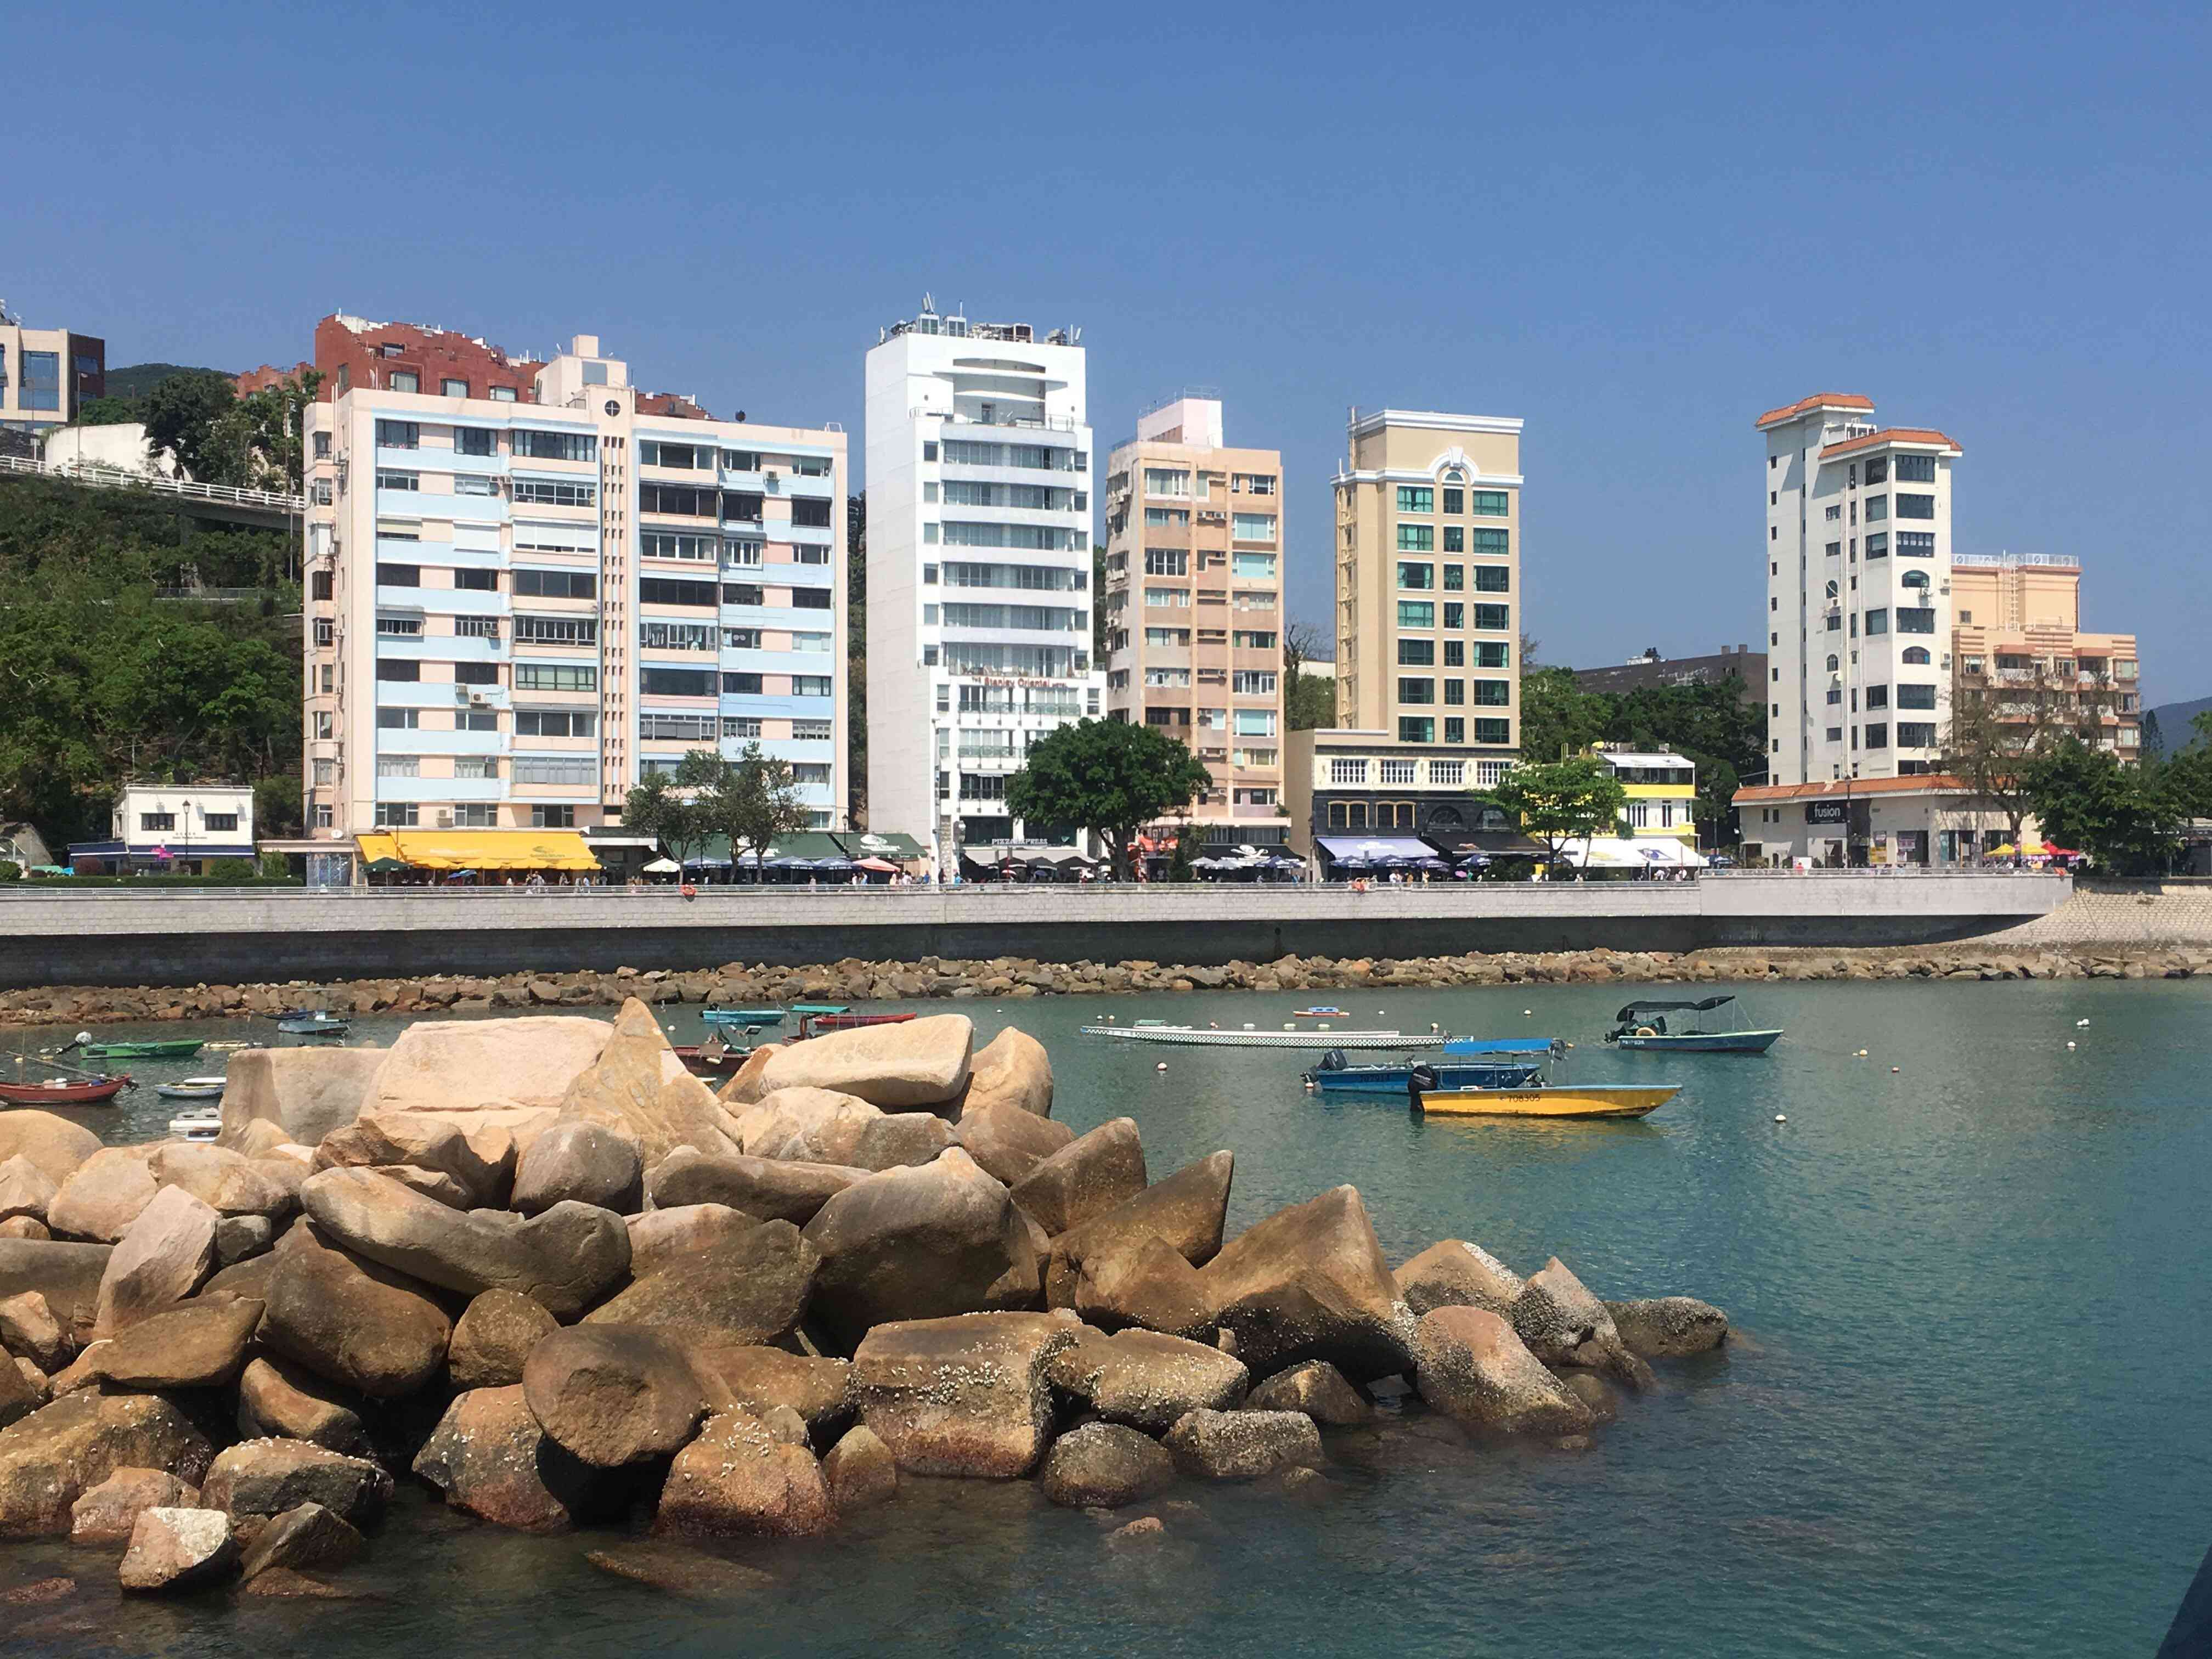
column 171, row 830
column 121, row 447
column 1933, row 821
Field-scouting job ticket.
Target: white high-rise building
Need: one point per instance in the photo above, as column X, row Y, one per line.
column 1858, row 592
column 979, row 571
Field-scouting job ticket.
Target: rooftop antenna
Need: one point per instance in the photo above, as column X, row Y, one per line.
column 6, row 317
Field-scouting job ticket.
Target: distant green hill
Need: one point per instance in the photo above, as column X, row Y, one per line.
column 2174, row 731
column 137, row 380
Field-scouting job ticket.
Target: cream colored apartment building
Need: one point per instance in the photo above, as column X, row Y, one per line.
column 47, row 374
column 1194, row 607
column 2016, row 632
column 1428, row 561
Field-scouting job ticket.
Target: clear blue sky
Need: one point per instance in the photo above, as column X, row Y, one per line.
column 1635, row 226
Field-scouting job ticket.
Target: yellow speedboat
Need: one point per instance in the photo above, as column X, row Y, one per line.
column 1549, row 1100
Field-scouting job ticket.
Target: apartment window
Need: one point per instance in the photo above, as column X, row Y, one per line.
column 1455, row 501
column 1877, row 509
column 388, row 627
column 1255, row 723
column 1417, row 613
column 554, row 723
column 477, row 581
column 1415, row 576
column 1172, row 482
column 1167, row 518
column 554, row 446
column 554, row 817
column 1252, row 567
column 396, row 815
column 556, row 630
column 1454, row 691
column 810, row 685
column 391, row 719
column 1416, row 539
column 553, row 585
column 1416, row 654
column 1496, row 653
column 542, row 493
column 1166, row 561
column 1416, row 498
column 814, row 514
column 1454, row 536
column 1492, row 618
column 1916, row 696
column 1253, row 527
column 1877, row 469
column 1417, row 728
column 1493, row 693
column 326, row 631
column 1916, row 544
column 322, row 446
column 1342, row 771
column 1253, row 484
column 406, row 380
column 554, row 677
column 399, row 434
column 1493, row 578
column 1488, row 504
column 1877, row 696
column 1416, row 690
column 1456, row 653
column 1877, row 734
column 389, row 668
column 501, row 394
column 1252, row 682
column 1175, row 638
column 1916, row 734
column 1915, row 507
column 1915, row 619
column 400, row 766
column 389, row 478
column 476, row 673
column 1915, row 469
column 1877, row 546
column 157, row 821
column 666, row 545
column 325, row 724
column 1497, row 542
column 670, row 589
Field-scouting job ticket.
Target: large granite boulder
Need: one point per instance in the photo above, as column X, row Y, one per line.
column 493, row 1338
column 1104, row 1465
column 25, row 1189
column 1318, row 1390
column 178, row 1549
column 1012, row 1069
column 1146, row 1380
column 226, row 1182
column 352, row 1320
column 190, row 1347
column 1146, row 1284
column 25, row 1226
column 584, row 1161
column 477, row 1154
column 489, row 1457
column 1470, row 1364
column 1454, row 1274
column 737, row 1478
column 65, row 1276
column 781, row 1117
column 1187, row 1210
column 59, row 1452
column 969, row 1396
column 746, row 1085
column 764, row 1189
column 637, row 1086
column 449, row 1065
column 107, row 1512
column 661, row 1238
column 752, row 1288
column 305, row 1092
column 267, row 1477
column 761, row 1380
column 102, row 1196
column 1563, row 1324
column 1089, row 1176
column 306, row 1536
column 20, row 1395
column 1211, row 1445
column 54, row 1144
column 922, row 1244
column 921, row 1062
column 614, row 1394
column 29, row 1330
column 1310, row 1282
column 1009, row 1142
column 280, row 1397
column 860, row 1470
column 1669, row 1327
column 162, row 1258
column 566, row 1259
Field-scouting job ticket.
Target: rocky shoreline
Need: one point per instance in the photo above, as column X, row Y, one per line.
column 857, row 981
column 534, row 1265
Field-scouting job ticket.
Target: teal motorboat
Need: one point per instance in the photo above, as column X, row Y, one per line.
column 1684, row 1028
column 1465, row 1063
column 754, row 1019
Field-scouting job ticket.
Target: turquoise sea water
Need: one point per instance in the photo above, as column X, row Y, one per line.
column 1965, row 1413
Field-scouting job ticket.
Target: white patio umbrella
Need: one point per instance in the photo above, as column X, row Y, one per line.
column 664, row 867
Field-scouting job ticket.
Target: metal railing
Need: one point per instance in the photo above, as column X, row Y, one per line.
column 90, row 472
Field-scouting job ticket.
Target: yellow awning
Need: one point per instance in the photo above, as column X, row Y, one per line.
column 480, row 849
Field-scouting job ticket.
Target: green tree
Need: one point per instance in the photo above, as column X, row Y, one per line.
column 653, row 807
column 108, row 411
column 1558, row 717
column 195, row 413
column 2123, row 816
column 275, row 419
column 1560, row 801
column 1183, row 861
column 1107, row 776
column 1309, row 699
column 1996, row 735
column 277, row 806
column 751, row 800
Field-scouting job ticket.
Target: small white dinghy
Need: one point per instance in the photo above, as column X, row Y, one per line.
column 191, row 1088
column 196, row 1125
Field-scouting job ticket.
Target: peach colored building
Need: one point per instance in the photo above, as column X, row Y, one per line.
column 1194, row 607
column 2017, row 623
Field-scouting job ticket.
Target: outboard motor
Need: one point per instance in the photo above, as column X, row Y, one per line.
column 1420, row 1079
column 1333, row 1060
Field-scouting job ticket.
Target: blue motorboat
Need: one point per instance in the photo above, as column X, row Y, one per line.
column 1465, row 1063
column 752, row 1019
column 1679, row 1027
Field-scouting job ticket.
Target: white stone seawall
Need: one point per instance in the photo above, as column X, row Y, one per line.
column 63, row 936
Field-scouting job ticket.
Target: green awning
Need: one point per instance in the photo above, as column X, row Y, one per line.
column 809, row 844
column 877, row 844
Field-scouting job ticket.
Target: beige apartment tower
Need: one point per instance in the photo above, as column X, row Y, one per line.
column 2017, row 637
column 1194, row 607
column 1428, row 561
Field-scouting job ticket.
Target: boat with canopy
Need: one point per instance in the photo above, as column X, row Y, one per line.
column 1681, row 1027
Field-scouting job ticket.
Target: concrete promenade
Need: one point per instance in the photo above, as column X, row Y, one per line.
column 214, row 936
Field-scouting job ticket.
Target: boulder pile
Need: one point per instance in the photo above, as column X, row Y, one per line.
column 536, row 1264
